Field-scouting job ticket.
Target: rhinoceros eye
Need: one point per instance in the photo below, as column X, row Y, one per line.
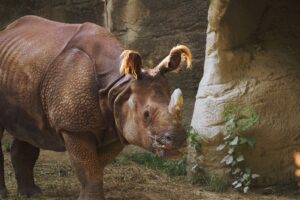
column 147, row 116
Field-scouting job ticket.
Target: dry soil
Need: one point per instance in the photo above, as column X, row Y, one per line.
column 122, row 182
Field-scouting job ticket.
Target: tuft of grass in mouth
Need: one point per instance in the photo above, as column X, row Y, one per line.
column 151, row 161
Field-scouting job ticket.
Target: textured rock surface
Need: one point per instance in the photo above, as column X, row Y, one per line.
column 150, row 27
column 72, row 11
column 252, row 59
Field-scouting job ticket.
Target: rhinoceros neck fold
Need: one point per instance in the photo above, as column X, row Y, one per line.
column 111, row 99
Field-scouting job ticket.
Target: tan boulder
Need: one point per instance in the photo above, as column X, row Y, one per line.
column 252, row 59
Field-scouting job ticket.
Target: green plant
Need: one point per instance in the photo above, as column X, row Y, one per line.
column 170, row 167
column 212, row 183
column 6, row 147
column 200, row 177
column 194, row 138
column 237, row 122
column 217, row 184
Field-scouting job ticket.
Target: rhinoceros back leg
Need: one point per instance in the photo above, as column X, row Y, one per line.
column 83, row 154
column 3, row 190
column 24, row 156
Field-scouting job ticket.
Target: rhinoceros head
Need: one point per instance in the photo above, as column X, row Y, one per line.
column 151, row 117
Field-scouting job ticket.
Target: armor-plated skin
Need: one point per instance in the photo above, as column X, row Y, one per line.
column 61, row 89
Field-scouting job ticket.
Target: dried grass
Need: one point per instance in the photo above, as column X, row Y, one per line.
column 128, row 181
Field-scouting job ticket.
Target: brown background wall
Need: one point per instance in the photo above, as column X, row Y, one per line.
column 71, row 11
column 150, row 27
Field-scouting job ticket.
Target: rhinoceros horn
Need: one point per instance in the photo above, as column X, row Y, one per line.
column 176, row 104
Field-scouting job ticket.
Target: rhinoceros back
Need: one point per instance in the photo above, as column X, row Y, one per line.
column 28, row 46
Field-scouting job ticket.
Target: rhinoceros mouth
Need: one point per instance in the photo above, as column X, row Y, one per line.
column 165, row 151
column 170, row 154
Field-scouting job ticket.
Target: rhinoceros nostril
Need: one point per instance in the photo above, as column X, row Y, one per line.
column 168, row 137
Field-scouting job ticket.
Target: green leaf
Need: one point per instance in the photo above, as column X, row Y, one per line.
column 243, row 140
column 248, row 170
column 231, row 150
column 248, row 183
column 238, row 185
column 233, row 163
column 227, row 137
column 246, row 189
column 220, row 147
column 230, row 122
column 246, row 176
column 229, row 160
column 224, row 159
column 235, row 183
column 237, row 170
column 251, row 141
column 254, row 176
column 235, row 141
column 240, row 158
column 250, row 123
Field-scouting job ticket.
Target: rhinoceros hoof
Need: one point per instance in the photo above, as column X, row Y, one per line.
column 29, row 191
column 3, row 192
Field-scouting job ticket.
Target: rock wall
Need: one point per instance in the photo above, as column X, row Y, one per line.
column 71, row 11
column 252, row 59
column 150, row 27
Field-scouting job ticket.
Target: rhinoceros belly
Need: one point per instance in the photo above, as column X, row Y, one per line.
column 43, row 139
column 19, row 121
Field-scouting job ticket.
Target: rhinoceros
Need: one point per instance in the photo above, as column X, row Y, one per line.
column 74, row 88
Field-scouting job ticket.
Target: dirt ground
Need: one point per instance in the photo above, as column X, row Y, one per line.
column 122, row 182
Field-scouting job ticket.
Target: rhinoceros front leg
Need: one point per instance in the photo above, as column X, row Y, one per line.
column 82, row 149
column 3, row 190
column 23, row 157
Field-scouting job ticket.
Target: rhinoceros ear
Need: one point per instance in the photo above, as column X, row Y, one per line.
column 176, row 57
column 131, row 63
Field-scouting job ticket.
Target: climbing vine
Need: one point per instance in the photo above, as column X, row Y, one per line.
column 200, row 176
column 237, row 123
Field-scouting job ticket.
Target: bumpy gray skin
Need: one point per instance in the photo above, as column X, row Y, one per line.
column 61, row 89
